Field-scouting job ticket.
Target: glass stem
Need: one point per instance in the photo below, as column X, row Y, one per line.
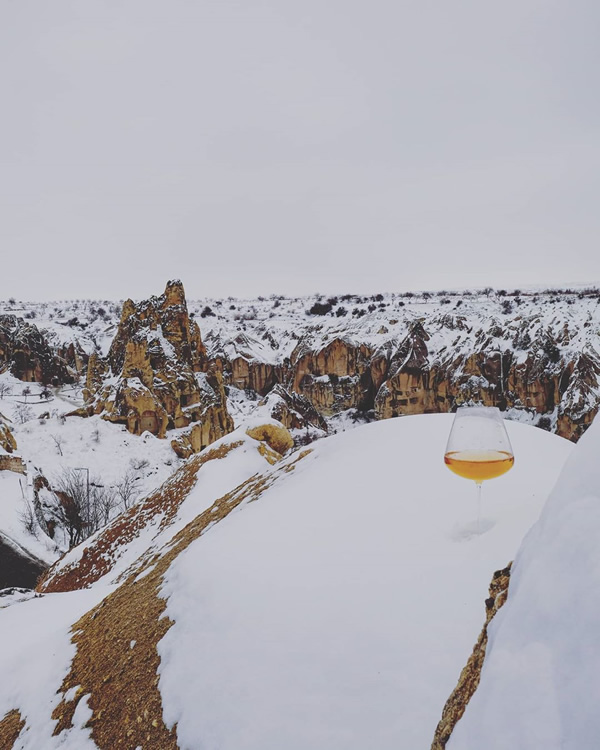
column 478, row 507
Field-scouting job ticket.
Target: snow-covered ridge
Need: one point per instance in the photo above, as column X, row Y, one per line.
column 314, row 597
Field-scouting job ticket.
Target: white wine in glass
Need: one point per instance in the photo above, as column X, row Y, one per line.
column 478, row 446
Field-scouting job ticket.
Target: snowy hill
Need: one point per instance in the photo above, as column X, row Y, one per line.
column 327, row 600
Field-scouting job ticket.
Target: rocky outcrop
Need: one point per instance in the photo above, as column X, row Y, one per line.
column 334, row 377
column 27, row 354
column 74, row 356
column 164, row 326
column 274, row 435
column 540, row 364
column 542, row 383
column 156, row 376
column 248, row 373
column 293, row 410
column 244, row 364
column 470, row 676
column 10, row 729
column 9, row 460
column 7, row 439
column 211, row 418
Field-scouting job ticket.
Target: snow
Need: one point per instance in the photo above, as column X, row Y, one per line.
column 36, row 653
column 541, row 676
column 55, row 444
column 13, row 490
column 214, row 479
column 338, row 610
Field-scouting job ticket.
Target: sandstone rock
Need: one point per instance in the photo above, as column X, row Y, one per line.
column 411, row 381
column 333, row 378
column 25, row 351
column 74, row 356
column 156, row 376
column 164, row 324
column 471, row 674
column 274, row 435
column 243, row 361
column 293, row 410
column 407, row 389
column 7, row 439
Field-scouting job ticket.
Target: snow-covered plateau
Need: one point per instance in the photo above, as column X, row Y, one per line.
column 332, row 603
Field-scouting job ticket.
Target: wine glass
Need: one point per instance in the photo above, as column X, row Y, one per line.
column 478, row 446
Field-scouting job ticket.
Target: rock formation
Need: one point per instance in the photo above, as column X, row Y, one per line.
column 470, row 676
column 156, row 376
column 7, row 439
column 244, row 362
column 544, row 380
column 536, row 358
column 334, row 377
column 293, row 410
column 9, row 460
column 25, row 351
column 546, row 368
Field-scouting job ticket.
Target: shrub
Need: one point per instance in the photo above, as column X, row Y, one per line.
column 320, row 308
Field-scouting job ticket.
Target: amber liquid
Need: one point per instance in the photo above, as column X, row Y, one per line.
column 479, row 465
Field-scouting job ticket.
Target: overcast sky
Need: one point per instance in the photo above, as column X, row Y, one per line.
column 278, row 146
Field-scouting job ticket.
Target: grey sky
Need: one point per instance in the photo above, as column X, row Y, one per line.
column 256, row 147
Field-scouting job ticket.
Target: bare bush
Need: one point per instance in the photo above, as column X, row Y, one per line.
column 58, row 442
column 139, row 464
column 85, row 504
column 23, row 413
column 5, row 389
column 127, row 489
column 28, row 518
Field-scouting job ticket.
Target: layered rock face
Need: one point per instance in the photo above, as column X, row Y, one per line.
column 334, row 377
column 542, row 382
column 156, row 376
column 540, row 369
column 293, row 410
column 25, row 351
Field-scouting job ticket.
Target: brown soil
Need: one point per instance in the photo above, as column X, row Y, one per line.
column 121, row 681
column 100, row 555
column 10, row 728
